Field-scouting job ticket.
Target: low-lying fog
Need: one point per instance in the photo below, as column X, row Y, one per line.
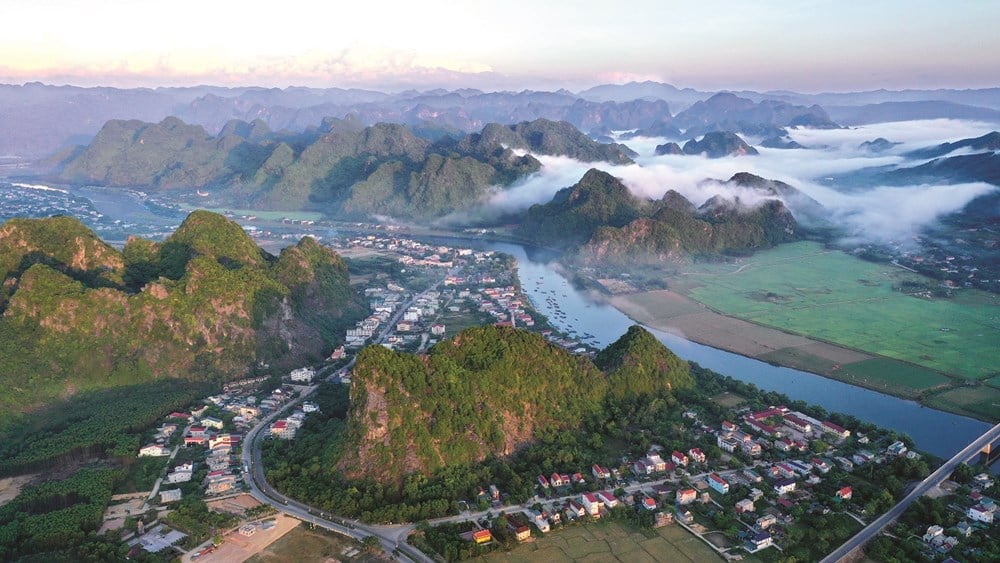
column 875, row 213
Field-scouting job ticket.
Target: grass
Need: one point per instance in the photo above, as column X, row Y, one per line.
column 611, row 541
column 729, row 400
column 305, row 545
column 896, row 374
column 980, row 400
column 832, row 296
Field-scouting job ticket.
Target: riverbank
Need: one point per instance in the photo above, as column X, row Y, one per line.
column 677, row 314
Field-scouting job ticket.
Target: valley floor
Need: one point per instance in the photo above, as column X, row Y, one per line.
column 845, row 319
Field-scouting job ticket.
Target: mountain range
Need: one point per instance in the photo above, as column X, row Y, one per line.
column 341, row 168
column 40, row 119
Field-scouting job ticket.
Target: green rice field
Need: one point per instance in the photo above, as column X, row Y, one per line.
column 611, row 542
column 829, row 295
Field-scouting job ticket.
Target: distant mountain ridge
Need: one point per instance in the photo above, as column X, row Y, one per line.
column 341, row 168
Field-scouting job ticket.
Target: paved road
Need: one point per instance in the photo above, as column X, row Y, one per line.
column 932, row 480
column 393, row 538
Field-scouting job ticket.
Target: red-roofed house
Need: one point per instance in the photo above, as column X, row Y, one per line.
column 576, row 508
column 760, row 427
column 679, row 458
column 600, row 472
column 686, row 496
column 697, row 455
column 482, row 536
column 556, row 480
column 608, row 498
column 578, row 478
column 728, row 426
column 591, row 503
column 844, row 493
column 649, row 503
column 798, row 423
column 543, row 481
column 838, row 431
column 718, row 483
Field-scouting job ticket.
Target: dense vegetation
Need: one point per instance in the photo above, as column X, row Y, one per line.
column 56, row 516
column 93, row 424
column 609, row 225
column 206, row 304
column 491, row 405
column 340, row 168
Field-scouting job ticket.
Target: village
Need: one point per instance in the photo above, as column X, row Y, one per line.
column 736, row 478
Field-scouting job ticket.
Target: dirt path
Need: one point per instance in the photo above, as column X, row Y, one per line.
column 10, row 487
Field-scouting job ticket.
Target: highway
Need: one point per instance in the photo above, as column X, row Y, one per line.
column 932, row 480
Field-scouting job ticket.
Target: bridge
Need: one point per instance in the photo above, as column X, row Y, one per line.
column 981, row 445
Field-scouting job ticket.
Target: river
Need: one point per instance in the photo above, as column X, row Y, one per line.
column 937, row 432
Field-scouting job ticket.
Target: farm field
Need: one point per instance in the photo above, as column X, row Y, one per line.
column 825, row 294
column 610, row 541
column 305, row 545
column 981, row 401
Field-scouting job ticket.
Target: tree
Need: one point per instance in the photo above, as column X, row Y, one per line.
column 372, row 544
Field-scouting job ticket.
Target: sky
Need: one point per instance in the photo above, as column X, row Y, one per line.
column 802, row 45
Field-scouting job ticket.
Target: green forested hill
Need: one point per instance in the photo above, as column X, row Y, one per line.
column 340, row 168
column 488, row 391
column 206, row 304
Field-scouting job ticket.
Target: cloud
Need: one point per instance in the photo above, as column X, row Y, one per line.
column 873, row 213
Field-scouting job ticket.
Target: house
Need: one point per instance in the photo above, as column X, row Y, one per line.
column 685, row 516
column 784, row 486
column 195, row 441
column 697, row 455
column 728, row 426
column 798, row 423
column 821, row 465
column 679, row 459
column 521, row 531
column 752, row 476
column 726, row 444
column 494, row 493
column 844, row 493
column 896, row 448
column 932, row 532
column 758, row 541
column 248, row 530
column 608, row 499
column 591, row 503
column 745, row 505
column 211, row 422
column 576, row 509
column 649, row 503
column 766, row 521
column 556, row 480
column 541, row 523
column 761, row 428
column 153, row 450
column 482, row 537
column 983, row 481
column 844, row 463
column 578, row 478
column 653, row 458
column 437, row 329
column 686, row 496
column 179, row 476
column 785, row 470
column 281, row 429
column 662, row 491
column 309, row 407
column 600, row 472
column 172, row 495
column 220, row 484
column 543, row 481
column 663, row 519
column 980, row 513
column 641, row 468
column 964, row 529
column 224, row 440
column 783, row 444
column 718, row 483
column 302, row 375
column 751, row 448
column 831, row 428
column 198, row 432
column 756, row 494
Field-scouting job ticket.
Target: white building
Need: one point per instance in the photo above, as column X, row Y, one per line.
column 153, row 450
column 172, row 495
column 304, row 375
